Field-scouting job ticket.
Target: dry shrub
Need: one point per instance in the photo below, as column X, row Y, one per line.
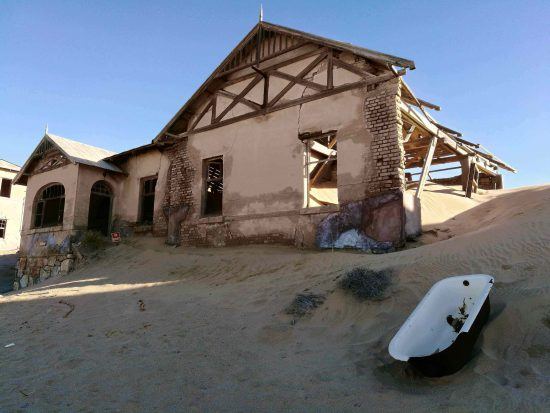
column 366, row 284
column 93, row 241
column 304, row 304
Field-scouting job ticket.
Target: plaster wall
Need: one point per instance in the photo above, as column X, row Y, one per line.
column 151, row 163
column 263, row 157
column 11, row 209
column 66, row 175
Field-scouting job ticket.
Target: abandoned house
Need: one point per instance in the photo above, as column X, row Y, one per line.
column 12, row 198
column 293, row 139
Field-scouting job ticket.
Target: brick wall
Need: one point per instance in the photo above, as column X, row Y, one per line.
column 178, row 190
column 383, row 121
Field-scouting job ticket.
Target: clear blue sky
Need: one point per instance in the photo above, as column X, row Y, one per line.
column 112, row 73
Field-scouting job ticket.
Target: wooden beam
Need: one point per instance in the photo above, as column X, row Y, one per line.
column 241, row 95
column 351, row 68
column 330, row 70
column 244, row 101
column 300, row 75
column 426, row 168
column 471, row 178
column 324, row 164
column 437, row 161
column 305, row 99
column 262, row 60
column 201, row 114
column 409, row 133
column 295, row 79
column 429, row 105
column 265, row 100
column 214, row 100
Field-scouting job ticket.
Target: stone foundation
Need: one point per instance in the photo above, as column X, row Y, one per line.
column 33, row 270
column 46, row 253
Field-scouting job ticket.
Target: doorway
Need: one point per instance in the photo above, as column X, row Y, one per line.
column 99, row 215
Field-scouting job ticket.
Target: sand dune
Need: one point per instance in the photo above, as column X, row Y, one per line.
column 210, row 333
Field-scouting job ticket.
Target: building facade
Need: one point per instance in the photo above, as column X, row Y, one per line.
column 293, row 139
column 12, row 198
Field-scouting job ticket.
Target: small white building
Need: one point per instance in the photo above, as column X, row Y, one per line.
column 12, row 199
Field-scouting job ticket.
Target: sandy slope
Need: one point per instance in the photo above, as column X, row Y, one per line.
column 213, row 337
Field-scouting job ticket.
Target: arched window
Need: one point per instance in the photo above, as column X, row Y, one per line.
column 101, row 188
column 49, row 206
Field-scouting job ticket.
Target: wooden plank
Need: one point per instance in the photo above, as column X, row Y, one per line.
column 351, row 68
column 426, row 167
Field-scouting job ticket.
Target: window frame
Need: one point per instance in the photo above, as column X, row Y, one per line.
column 205, row 163
column 40, row 202
column 306, row 140
column 9, row 186
column 142, row 182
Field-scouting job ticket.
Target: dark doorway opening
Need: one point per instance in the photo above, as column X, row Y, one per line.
column 147, row 203
column 213, row 187
column 99, row 215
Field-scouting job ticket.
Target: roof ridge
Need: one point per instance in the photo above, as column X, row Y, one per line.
column 54, row 136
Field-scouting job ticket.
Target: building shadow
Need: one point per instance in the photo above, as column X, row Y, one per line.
column 7, row 272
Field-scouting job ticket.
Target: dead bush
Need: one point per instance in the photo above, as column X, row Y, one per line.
column 304, row 304
column 93, row 241
column 366, row 284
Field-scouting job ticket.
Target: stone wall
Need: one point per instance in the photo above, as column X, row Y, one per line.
column 45, row 253
column 33, row 270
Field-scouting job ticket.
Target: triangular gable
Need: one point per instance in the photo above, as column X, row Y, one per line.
column 68, row 151
column 265, row 42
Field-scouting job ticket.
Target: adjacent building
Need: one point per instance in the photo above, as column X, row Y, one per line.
column 293, row 139
column 12, row 198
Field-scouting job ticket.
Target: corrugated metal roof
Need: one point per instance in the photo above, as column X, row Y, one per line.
column 85, row 154
column 9, row 166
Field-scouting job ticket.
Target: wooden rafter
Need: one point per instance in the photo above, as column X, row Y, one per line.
column 426, row 167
